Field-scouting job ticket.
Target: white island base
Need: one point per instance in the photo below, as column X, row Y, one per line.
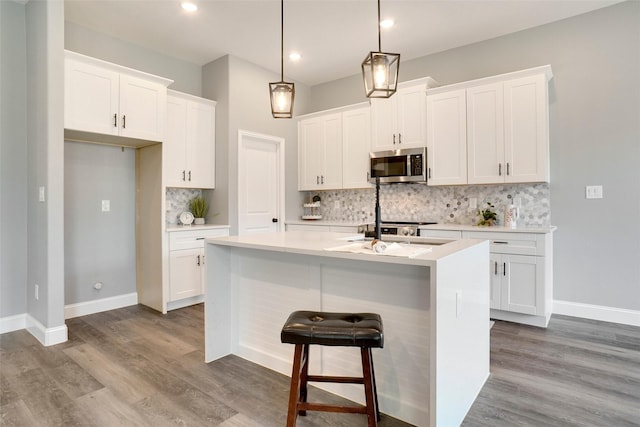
column 434, row 307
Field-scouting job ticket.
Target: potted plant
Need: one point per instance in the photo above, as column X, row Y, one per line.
column 488, row 216
column 199, row 208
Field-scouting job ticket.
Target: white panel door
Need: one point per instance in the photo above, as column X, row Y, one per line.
column 526, row 129
column 485, row 134
column 90, row 98
column 356, row 145
column 412, row 116
column 174, row 146
column 201, row 134
column 447, row 138
column 260, row 183
column 185, row 273
column 522, row 291
column 331, row 176
column 142, row 108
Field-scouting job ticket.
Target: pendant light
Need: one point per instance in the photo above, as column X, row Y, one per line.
column 282, row 93
column 380, row 71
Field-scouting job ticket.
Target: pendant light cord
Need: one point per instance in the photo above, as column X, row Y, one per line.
column 282, row 39
column 379, row 43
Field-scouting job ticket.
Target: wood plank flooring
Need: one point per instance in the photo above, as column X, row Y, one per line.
column 136, row 367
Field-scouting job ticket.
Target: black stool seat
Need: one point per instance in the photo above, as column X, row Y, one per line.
column 305, row 328
column 333, row 329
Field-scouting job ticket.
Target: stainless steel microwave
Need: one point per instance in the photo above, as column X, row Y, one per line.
column 405, row 165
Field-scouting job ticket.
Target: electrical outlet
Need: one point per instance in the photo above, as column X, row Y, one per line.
column 36, row 291
column 473, row 203
column 106, row 205
column 593, row 192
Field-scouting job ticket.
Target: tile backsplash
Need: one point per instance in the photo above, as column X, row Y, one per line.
column 445, row 205
column 178, row 200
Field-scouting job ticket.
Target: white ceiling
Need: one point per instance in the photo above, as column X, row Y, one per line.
column 334, row 36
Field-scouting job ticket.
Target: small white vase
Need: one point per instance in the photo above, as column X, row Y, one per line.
column 199, row 221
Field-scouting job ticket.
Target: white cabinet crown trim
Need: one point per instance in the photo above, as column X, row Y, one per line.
column 543, row 69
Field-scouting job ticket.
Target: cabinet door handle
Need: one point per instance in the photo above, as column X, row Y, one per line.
column 499, row 169
column 429, row 169
column 367, row 176
column 189, row 176
column 198, row 262
column 399, row 138
column 317, row 179
column 202, row 259
column 321, row 179
column 495, row 268
column 504, row 268
column 124, row 121
column 184, row 175
column 115, row 120
column 394, row 138
column 507, row 168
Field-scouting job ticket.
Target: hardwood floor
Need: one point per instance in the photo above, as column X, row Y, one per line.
column 136, row 367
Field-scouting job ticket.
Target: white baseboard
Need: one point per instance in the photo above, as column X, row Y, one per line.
column 597, row 312
column 100, row 305
column 46, row 336
column 13, row 323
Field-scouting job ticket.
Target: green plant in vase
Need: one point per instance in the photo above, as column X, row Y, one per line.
column 488, row 216
column 199, row 208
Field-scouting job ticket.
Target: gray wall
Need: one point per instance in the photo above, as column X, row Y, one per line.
column 186, row 75
column 594, row 134
column 45, row 97
column 13, row 160
column 248, row 109
column 99, row 246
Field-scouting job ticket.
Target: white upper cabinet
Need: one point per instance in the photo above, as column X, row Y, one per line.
column 526, row 135
column 485, row 134
column 356, row 145
column 320, row 152
column 447, row 138
column 106, row 99
column 189, row 148
column 506, row 120
column 401, row 120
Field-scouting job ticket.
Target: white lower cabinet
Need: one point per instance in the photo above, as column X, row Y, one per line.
column 187, row 265
column 355, row 229
column 517, row 283
column 521, row 270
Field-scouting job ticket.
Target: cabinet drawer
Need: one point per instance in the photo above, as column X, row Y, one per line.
column 443, row 234
column 510, row 243
column 191, row 239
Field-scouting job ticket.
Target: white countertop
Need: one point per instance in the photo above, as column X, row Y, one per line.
column 492, row 229
column 192, row 227
column 317, row 243
column 326, row 223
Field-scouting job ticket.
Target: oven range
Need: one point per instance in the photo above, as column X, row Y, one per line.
column 400, row 228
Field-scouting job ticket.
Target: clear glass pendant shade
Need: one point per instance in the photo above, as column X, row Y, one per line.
column 282, row 95
column 380, row 74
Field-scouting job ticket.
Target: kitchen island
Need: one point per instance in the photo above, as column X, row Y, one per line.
column 434, row 306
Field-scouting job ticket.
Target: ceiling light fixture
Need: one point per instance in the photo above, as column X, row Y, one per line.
column 189, row 7
column 380, row 70
column 282, row 93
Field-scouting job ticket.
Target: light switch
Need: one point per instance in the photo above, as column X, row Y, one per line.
column 41, row 193
column 106, row 205
column 593, row 192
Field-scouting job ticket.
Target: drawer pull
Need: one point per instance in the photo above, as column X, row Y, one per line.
column 504, row 268
column 499, row 242
column 199, row 238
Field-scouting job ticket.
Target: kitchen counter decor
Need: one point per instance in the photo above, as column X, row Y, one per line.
column 489, row 217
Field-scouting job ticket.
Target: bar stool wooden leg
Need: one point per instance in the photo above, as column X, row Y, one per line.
column 371, row 399
column 294, row 391
column 304, row 374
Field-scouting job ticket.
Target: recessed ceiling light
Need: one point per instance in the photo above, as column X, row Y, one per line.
column 295, row 56
column 386, row 23
column 189, row 7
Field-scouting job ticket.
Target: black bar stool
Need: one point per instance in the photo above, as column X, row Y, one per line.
column 304, row 328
